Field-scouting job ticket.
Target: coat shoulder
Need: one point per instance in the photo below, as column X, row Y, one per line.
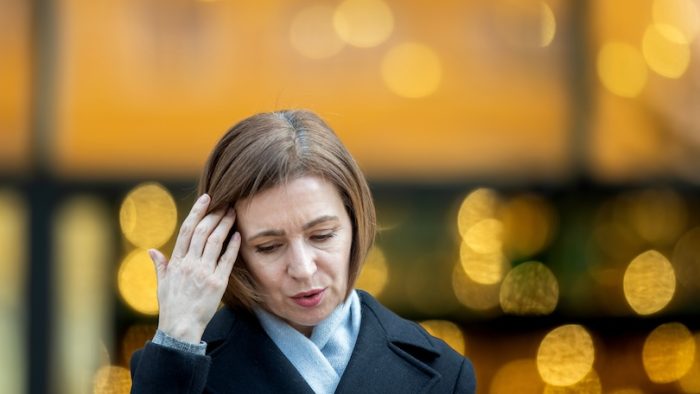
column 412, row 339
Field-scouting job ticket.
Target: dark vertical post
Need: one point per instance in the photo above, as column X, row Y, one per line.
column 41, row 192
column 579, row 69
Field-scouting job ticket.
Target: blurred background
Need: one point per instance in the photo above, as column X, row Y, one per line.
column 535, row 166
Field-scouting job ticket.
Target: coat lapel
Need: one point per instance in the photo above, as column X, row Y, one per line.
column 387, row 355
column 244, row 359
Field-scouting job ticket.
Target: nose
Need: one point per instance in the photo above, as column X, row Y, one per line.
column 301, row 264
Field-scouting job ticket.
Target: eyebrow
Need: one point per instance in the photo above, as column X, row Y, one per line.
column 277, row 233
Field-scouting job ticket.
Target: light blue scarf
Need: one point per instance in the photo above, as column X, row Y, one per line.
column 321, row 359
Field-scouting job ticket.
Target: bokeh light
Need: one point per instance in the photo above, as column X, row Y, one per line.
column 473, row 295
column 481, row 248
column 374, row 274
column 529, row 223
column 312, row 32
column 448, row 332
column 412, row 70
column 148, row 215
column 621, row 69
column 590, row 384
column 666, row 51
column 485, row 236
column 565, row 355
column 517, row 376
column 549, row 25
column 649, row 282
column 112, row 379
column 669, row 352
column 485, row 268
column 137, row 282
column 478, row 205
column 363, row 23
column 681, row 14
column 529, row 289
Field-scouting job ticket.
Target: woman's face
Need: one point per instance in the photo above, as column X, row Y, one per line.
column 296, row 242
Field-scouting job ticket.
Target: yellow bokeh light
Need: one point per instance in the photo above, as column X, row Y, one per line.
column 649, row 282
column 148, row 215
column 363, row 23
column 549, row 25
column 590, row 384
column 528, row 225
column 473, row 295
column 690, row 382
column 137, row 282
column 485, row 236
column 686, row 259
column 666, row 51
column 375, row 273
column 669, row 352
column 448, row 332
column 112, row 379
column 517, row 376
column 621, row 69
column 681, row 14
column 565, row 355
column 412, row 70
column 484, row 268
column 529, row 289
column 312, row 32
column 480, row 204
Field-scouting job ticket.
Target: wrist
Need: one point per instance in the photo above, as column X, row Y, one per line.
column 183, row 332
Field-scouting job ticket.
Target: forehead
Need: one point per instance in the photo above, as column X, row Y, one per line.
column 293, row 203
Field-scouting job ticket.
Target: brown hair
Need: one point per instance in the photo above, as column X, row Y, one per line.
column 268, row 149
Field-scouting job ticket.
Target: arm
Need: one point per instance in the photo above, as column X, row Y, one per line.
column 160, row 369
column 190, row 287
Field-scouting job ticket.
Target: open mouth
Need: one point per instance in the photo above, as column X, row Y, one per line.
column 310, row 298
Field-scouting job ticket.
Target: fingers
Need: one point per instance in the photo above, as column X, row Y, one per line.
column 199, row 210
column 215, row 242
column 159, row 261
column 223, row 270
column 203, row 231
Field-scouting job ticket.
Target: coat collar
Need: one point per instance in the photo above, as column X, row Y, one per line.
column 391, row 354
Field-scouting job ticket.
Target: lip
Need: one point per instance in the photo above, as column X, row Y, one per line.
column 309, row 299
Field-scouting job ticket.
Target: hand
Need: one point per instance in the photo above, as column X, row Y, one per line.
column 191, row 284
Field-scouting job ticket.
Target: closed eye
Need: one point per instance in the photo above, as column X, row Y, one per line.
column 266, row 249
column 322, row 237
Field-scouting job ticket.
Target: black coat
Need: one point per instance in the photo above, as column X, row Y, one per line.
column 391, row 355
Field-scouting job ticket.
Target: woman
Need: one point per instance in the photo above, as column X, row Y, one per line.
column 283, row 224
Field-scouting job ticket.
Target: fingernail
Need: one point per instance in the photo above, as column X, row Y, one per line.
column 152, row 254
column 204, row 198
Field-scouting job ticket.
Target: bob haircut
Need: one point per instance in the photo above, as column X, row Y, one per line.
column 269, row 149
